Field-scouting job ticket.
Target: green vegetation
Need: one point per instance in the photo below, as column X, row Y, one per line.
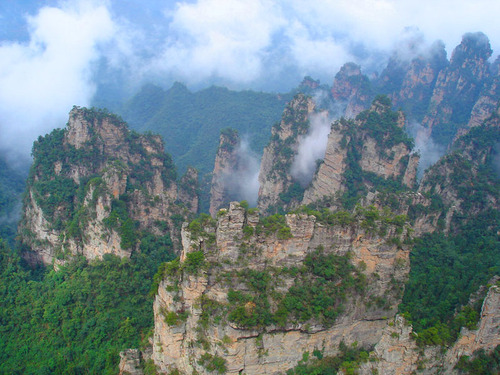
column 119, row 219
column 213, row 363
column 75, row 320
column 347, row 361
column 294, row 193
column 445, row 270
column 481, row 363
column 173, row 318
column 319, row 289
column 12, row 183
column 195, row 260
column 190, row 122
column 382, row 125
column 65, row 203
column 383, row 128
column 274, row 224
column 369, row 218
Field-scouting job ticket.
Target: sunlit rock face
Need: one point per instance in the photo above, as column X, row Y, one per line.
column 274, row 177
column 196, row 319
column 91, row 181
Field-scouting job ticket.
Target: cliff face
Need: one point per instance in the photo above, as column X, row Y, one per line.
column 353, row 89
column 462, row 183
column 372, row 145
column 458, row 87
column 243, row 295
column 274, row 176
column 487, row 104
column 397, row 353
column 93, row 186
column 419, row 79
column 226, row 162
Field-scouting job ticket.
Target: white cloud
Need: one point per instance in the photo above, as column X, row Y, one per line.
column 41, row 80
column 311, row 148
column 237, row 40
column 214, row 38
column 245, row 44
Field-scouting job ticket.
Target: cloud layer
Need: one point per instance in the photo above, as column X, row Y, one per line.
column 72, row 46
column 42, row 79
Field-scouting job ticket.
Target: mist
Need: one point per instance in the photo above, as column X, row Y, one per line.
column 41, row 79
column 242, row 183
column 311, row 148
column 429, row 151
column 56, row 54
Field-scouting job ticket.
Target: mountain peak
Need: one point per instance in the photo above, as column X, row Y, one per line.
column 474, row 46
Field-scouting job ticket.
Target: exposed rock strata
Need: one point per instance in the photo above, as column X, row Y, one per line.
column 272, row 349
column 274, row 176
column 397, row 353
column 351, row 140
column 226, row 162
column 130, row 362
column 98, row 173
column 419, row 81
column 458, row 86
column 454, row 188
column 352, row 88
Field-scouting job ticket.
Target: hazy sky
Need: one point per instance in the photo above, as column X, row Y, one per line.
column 53, row 53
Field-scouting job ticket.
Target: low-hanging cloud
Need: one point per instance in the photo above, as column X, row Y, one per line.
column 237, row 40
column 41, row 80
column 311, row 148
column 429, row 151
column 211, row 38
column 73, row 45
column 242, row 182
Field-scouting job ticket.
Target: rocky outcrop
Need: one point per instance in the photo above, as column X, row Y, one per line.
column 374, row 143
column 458, row 87
column 353, row 89
column 487, row 104
column 328, row 181
column 226, row 162
column 274, row 175
column 130, row 362
column 486, row 336
column 419, row 79
column 94, row 184
column 225, row 303
column 461, row 184
column 397, row 352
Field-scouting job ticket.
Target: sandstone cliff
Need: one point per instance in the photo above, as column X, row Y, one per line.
column 419, row 79
column 487, row 104
column 237, row 300
column 397, row 352
column 94, row 185
column 458, row 87
column 374, row 146
column 226, row 162
column 274, row 176
column 353, row 89
column 462, row 183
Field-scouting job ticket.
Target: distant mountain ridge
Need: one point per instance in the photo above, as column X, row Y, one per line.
column 190, row 122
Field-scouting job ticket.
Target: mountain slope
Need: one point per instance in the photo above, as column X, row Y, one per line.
column 190, row 122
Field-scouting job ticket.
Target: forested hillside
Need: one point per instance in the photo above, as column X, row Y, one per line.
column 190, row 122
column 12, row 184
